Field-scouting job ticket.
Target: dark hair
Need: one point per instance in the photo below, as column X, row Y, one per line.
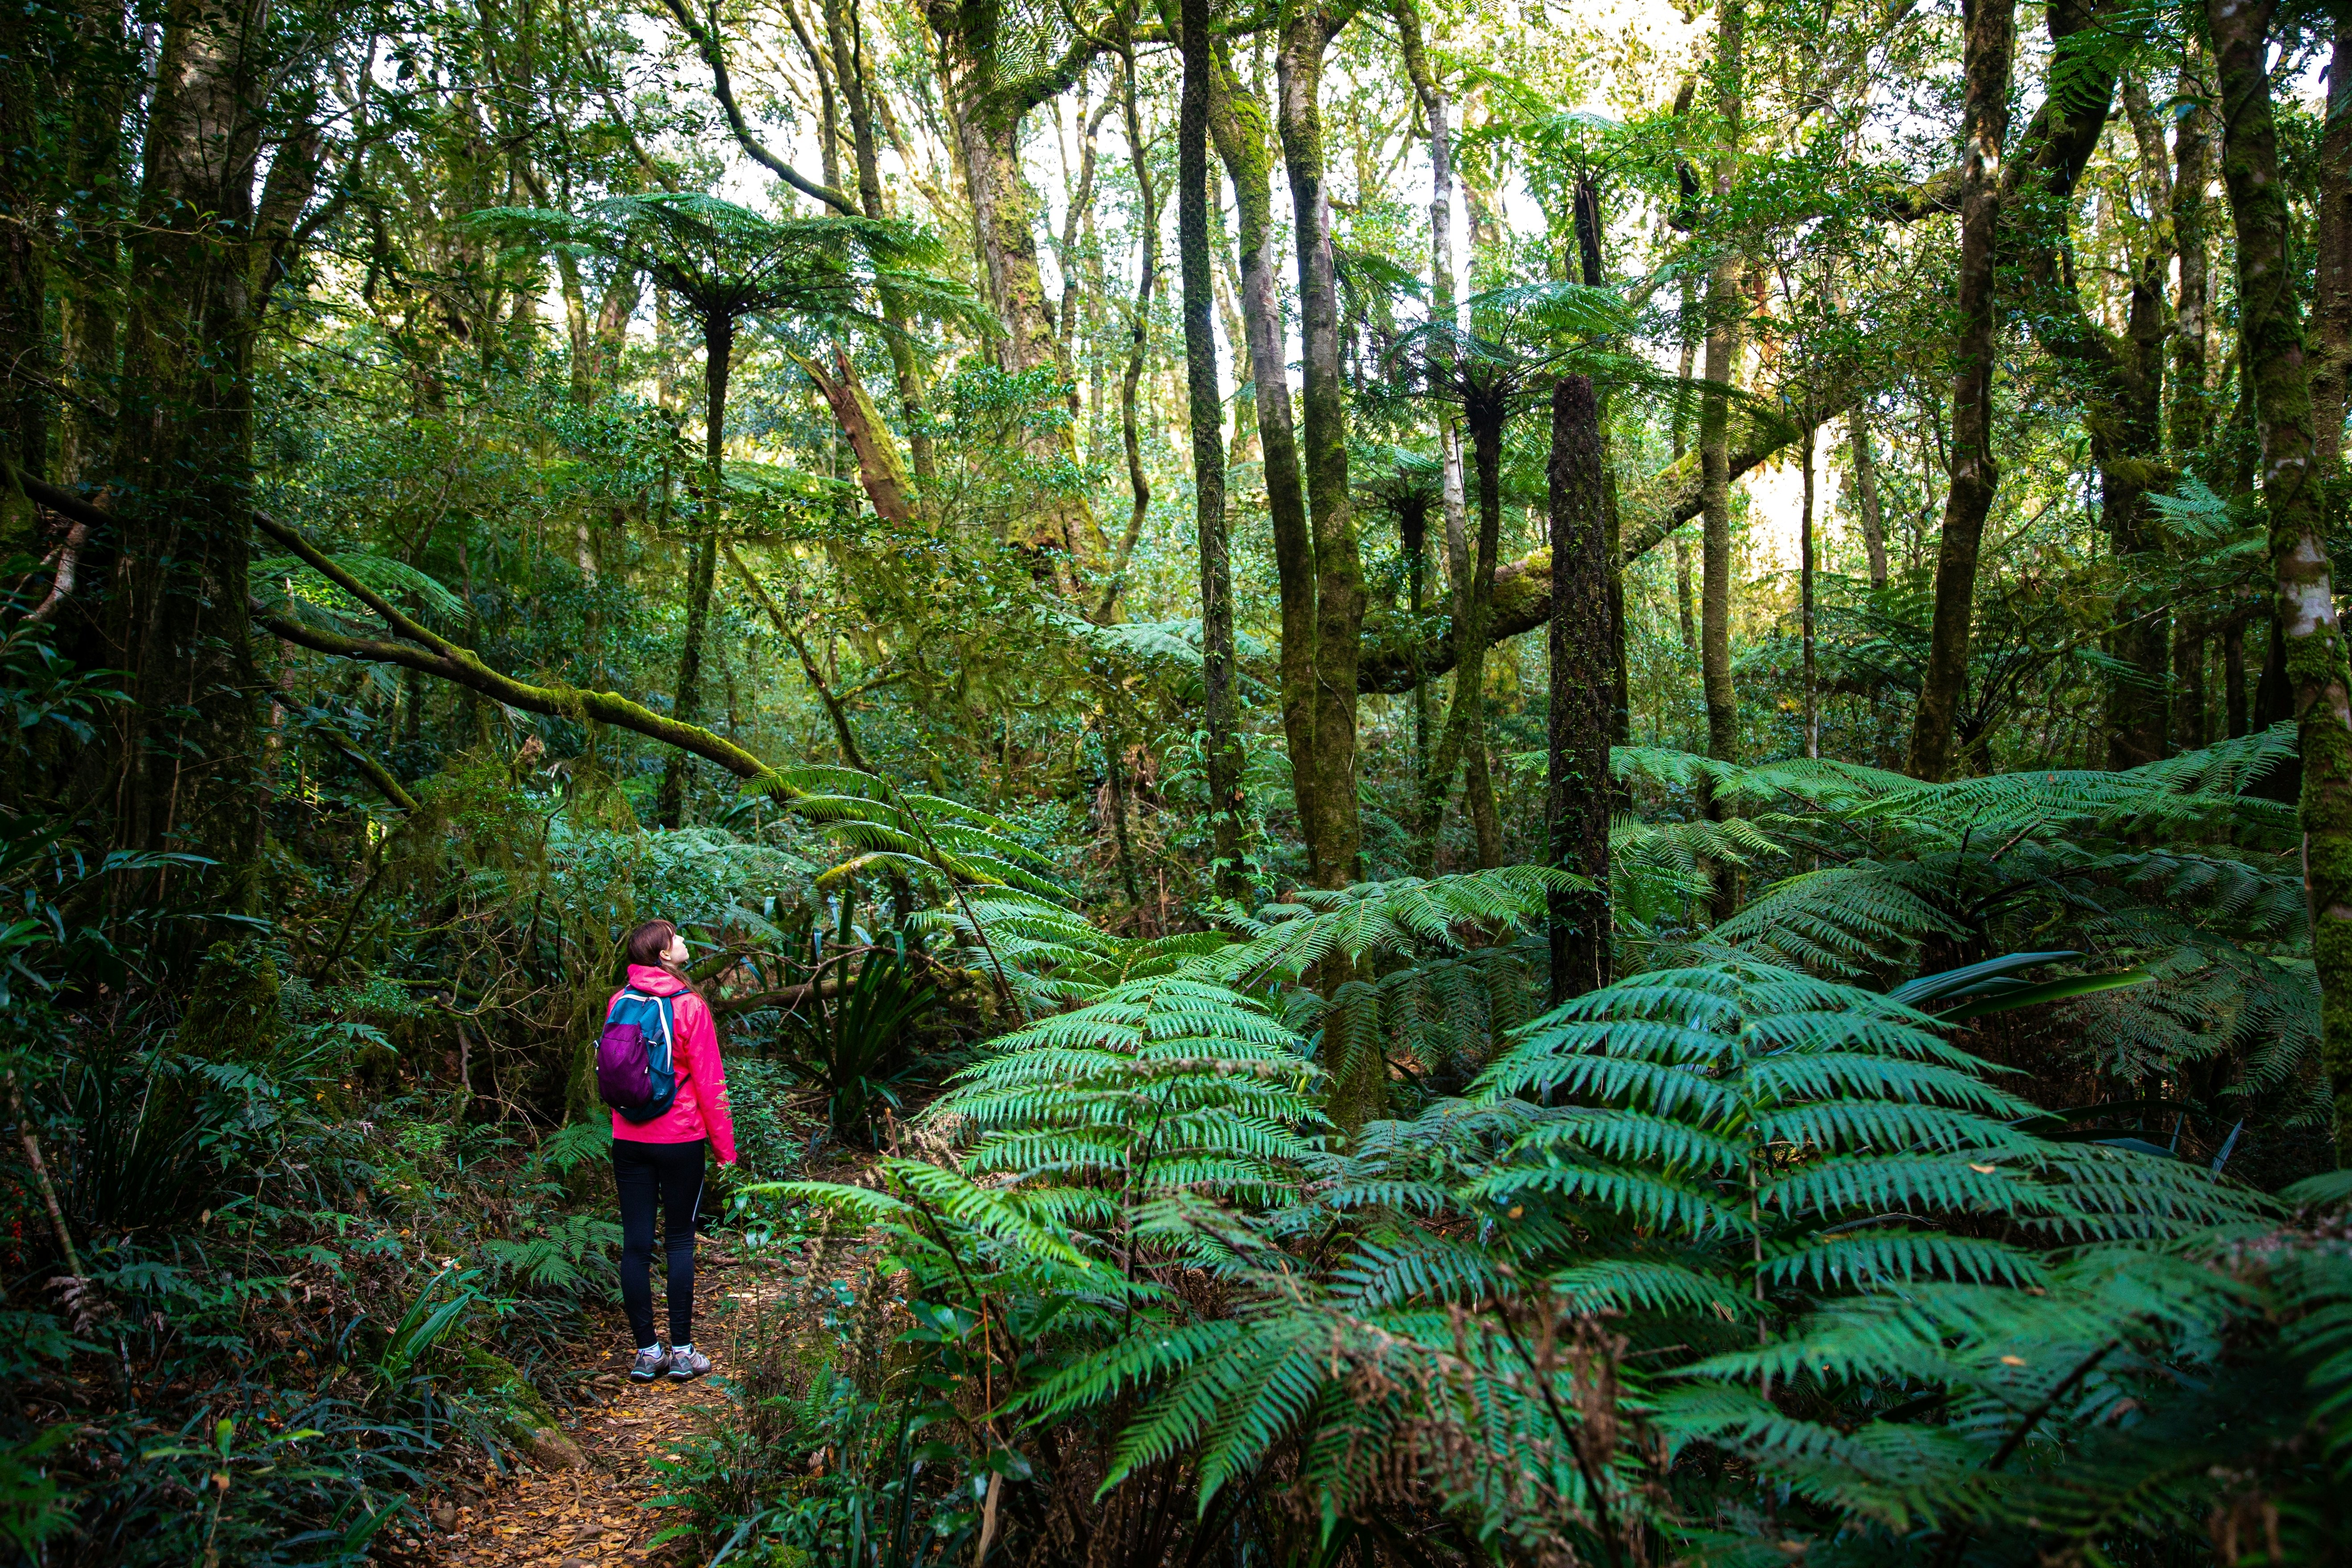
column 648, row 943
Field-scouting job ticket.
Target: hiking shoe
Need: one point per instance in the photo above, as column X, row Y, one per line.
column 650, row 1363
column 688, row 1362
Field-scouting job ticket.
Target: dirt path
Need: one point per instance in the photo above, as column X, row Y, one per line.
column 595, row 1515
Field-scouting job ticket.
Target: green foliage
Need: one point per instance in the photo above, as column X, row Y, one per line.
column 1764, row 1252
column 32, row 1508
column 726, row 261
column 891, row 831
column 855, row 1048
column 293, row 587
column 44, row 689
column 567, row 1255
column 771, row 1134
column 834, row 1457
column 1716, row 1245
column 428, row 1320
column 2173, row 873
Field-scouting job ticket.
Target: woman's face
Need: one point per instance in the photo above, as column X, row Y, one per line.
column 675, row 952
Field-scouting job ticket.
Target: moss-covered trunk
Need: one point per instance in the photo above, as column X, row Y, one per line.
column 2331, row 304
column 984, row 110
column 2271, row 330
column 1723, row 315
column 1334, row 827
column 1461, row 743
column 1238, row 122
column 1582, row 693
column 702, row 561
column 201, row 265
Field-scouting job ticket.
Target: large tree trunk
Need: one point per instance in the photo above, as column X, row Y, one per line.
column 2292, row 494
column 2192, row 170
column 1723, row 312
column 175, row 613
column 845, row 39
column 90, row 315
column 1992, row 40
column 2331, row 305
column 1333, row 835
column 24, row 334
column 1238, row 122
column 1577, row 804
column 1001, row 228
column 1462, row 742
column 984, row 114
column 1620, row 685
column 702, row 561
column 1328, row 805
column 1206, row 409
column 1870, row 513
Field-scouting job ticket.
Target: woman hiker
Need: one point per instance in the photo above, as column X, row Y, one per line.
column 659, row 1162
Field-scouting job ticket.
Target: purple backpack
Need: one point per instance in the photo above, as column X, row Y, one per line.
column 635, row 1068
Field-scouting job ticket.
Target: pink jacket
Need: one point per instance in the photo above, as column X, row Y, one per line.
column 700, row 1109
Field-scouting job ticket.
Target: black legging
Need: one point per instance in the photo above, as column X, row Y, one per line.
column 671, row 1173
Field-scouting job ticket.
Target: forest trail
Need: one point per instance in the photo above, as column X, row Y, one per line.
column 598, row 1514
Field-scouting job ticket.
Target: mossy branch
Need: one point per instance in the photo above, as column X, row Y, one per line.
column 390, row 788
column 1653, row 509
column 463, row 668
column 440, row 657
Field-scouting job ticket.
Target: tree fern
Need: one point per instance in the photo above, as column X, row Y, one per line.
column 922, row 836
column 1737, row 1147
column 1719, row 1250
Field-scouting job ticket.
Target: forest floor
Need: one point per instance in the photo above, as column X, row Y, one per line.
column 599, row 1513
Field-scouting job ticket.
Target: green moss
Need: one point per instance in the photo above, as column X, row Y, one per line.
column 232, row 1014
column 20, row 524
column 493, row 1377
column 520, row 1413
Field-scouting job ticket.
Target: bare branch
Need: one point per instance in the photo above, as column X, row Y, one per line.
column 706, row 44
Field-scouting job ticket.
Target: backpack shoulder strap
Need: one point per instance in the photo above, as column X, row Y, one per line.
column 665, row 1007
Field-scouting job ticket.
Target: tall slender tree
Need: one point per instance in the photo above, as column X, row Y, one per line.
column 2331, row 300
column 1239, row 124
column 722, row 264
column 1992, row 41
column 1204, row 408
column 1723, row 307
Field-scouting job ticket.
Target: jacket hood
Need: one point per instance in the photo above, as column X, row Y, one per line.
column 657, row 981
